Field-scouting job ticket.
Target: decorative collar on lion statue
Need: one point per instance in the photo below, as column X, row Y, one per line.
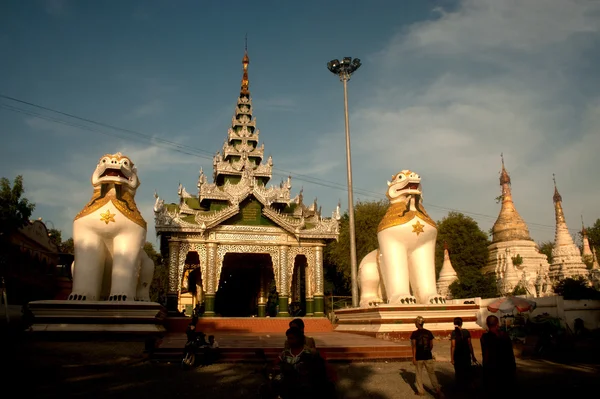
column 116, row 172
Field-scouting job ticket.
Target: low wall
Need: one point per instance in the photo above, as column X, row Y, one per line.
column 555, row 306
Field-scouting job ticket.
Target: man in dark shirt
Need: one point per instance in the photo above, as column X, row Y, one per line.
column 422, row 343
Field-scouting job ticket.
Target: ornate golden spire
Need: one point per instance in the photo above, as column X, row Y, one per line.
column 509, row 226
column 504, row 177
column 245, row 61
column 558, row 211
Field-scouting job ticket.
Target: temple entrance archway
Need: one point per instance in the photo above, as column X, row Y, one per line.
column 191, row 283
column 243, row 282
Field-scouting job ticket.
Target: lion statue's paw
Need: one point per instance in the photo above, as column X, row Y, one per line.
column 371, row 303
column 403, row 300
column 118, row 297
column 436, row 300
column 79, row 296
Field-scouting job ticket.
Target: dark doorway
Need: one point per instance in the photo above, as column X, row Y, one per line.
column 298, row 290
column 239, row 284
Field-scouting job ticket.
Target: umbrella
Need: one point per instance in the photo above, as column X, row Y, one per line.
column 510, row 303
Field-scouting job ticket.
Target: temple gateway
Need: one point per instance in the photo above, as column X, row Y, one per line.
column 241, row 248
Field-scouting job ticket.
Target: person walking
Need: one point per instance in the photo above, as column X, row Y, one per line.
column 498, row 357
column 461, row 354
column 422, row 344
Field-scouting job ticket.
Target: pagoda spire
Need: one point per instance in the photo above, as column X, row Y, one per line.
column 242, row 156
column 509, row 226
column 562, row 236
column 245, row 91
column 567, row 260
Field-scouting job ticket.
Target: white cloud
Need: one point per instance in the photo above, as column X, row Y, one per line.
column 153, row 158
column 151, row 108
column 458, row 90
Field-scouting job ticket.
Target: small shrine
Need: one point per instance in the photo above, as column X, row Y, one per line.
column 241, row 248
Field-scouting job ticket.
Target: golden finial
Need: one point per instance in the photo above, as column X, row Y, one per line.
column 557, row 197
column 583, row 230
column 245, row 61
column 504, row 177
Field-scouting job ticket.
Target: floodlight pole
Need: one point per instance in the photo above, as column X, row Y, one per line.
column 344, row 70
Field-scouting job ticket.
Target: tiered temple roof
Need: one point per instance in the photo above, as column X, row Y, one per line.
column 239, row 192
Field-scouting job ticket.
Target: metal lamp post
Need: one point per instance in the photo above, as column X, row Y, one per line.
column 344, row 69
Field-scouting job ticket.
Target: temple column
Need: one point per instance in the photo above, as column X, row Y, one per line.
column 262, row 294
column 318, row 290
column 211, row 273
column 173, row 293
column 284, row 276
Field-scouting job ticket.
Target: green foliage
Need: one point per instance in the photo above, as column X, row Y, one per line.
column 517, row 260
column 65, row 247
column 575, row 289
column 519, row 290
column 594, row 236
column 160, row 280
column 15, row 210
column 467, row 243
column 472, row 283
column 468, row 248
column 546, row 248
column 499, row 199
column 367, row 216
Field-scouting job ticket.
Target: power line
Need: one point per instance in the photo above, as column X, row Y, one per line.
column 205, row 154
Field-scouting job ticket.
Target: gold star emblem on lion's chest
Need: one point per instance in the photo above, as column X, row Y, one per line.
column 418, row 228
column 107, row 216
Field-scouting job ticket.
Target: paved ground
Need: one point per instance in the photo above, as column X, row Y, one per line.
column 120, row 370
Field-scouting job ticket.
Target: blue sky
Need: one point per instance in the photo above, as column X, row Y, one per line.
column 445, row 87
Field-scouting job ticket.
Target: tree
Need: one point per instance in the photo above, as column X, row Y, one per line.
column 575, row 289
column 15, row 210
column 472, row 283
column 467, row 243
column 594, row 236
column 160, row 281
column 468, row 247
column 367, row 216
column 65, row 247
column 546, row 248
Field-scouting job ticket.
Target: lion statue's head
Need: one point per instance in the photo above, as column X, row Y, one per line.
column 116, row 169
column 403, row 185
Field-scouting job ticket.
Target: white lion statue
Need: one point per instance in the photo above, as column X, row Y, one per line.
column 109, row 234
column 405, row 259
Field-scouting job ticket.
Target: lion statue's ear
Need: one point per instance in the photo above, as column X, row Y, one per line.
column 389, row 183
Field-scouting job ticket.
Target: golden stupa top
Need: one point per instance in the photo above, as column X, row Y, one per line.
column 245, row 82
column 557, row 198
column 509, row 226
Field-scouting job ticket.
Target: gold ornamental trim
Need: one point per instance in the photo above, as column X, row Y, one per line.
column 399, row 214
column 124, row 203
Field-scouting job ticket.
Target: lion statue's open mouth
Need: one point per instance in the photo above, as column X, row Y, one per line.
column 116, row 169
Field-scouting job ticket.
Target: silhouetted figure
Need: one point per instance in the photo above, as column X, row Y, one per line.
column 422, row 343
column 309, row 342
column 461, row 354
column 499, row 363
